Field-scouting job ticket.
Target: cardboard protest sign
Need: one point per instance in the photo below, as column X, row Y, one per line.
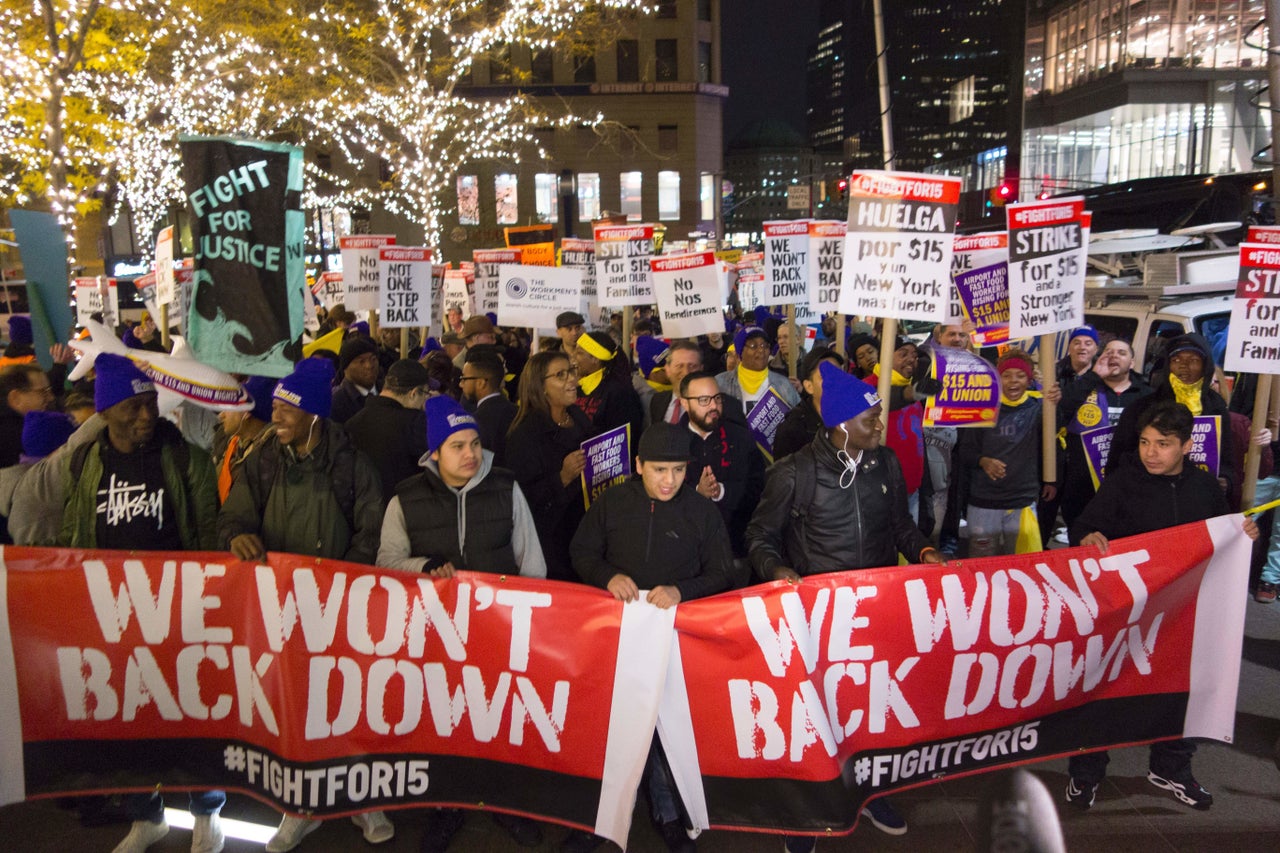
column 687, row 288
column 360, row 269
column 1269, row 234
column 897, row 255
column 1253, row 338
column 580, row 254
column 826, row 264
column 750, row 270
column 328, row 288
column 457, row 292
column 980, row 272
column 97, row 295
column 970, row 394
column 248, row 233
column 536, row 243
column 487, row 262
column 534, row 296
column 165, row 282
column 764, row 418
column 608, row 462
column 1047, row 255
column 623, row 253
column 404, row 299
column 786, row 263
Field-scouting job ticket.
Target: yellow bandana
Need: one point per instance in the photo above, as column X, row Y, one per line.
column 591, row 382
column 1005, row 401
column 751, row 380
column 897, row 380
column 589, row 344
column 1188, row 395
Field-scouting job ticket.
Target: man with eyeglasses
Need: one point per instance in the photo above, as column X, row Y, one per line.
column 725, row 465
column 390, row 427
column 23, row 388
column 482, row 375
column 752, row 378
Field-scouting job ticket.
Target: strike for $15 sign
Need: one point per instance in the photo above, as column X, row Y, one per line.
column 688, row 292
column 1047, row 255
column 897, row 254
column 1253, row 339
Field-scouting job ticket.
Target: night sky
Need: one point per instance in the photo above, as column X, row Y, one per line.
column 764, row 46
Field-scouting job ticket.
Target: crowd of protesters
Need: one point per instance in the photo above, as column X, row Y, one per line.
column 466, row 456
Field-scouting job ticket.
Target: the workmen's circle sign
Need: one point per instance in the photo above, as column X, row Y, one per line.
column 517, row 288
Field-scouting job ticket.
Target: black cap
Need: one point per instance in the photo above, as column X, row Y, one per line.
column 570, row 318
column 663, row 442
column 407, row 374
column 352, row 348
column 816, row 356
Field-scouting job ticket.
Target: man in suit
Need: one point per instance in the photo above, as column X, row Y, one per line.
column 482, row 375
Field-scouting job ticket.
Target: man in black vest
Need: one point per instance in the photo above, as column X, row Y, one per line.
column 420, row 533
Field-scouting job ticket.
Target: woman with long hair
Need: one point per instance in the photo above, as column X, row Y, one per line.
column 543, row 451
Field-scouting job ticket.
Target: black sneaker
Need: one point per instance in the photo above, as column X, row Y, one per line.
column 442, row 825
column 1265, row 592
column 885, row 817
column 677, row 840
column 578, row 841
column 523, row 831
column 1081, row 794
column 1185, row 788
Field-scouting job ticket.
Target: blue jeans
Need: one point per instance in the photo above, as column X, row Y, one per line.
column 661, row 785
column 1268, row 490
column 150, row 807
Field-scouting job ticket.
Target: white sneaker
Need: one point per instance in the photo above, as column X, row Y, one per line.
column 291, row 832
column 142, row 835
column 206, row 835
column 376, row 826
column 1060, row 536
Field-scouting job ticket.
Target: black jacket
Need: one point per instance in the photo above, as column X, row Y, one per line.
column 735, row 460
column 680, row 542
column 494, row 416
column 1124, row 445
column 1131, row 501
column 392, row 436
column 347, row 401
column 536, row 449
column 1015, row 441
column 865, row 526
column 797, row 429
column 731, row 410
column 613, row 403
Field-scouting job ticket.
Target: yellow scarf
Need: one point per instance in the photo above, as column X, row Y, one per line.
column 658, row 386
column 751, row 380
column 591, row 382
column 1188, row 394
column 1005, row 401
column 897, row 380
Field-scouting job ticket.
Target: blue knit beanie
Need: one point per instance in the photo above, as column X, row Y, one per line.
column 444, row 418
column 44, row 432
column 260, row 388
column 309, row 387
column 20, row 329
column 740, row 339
column 843, row 396
column 118, row 379
column 652, row 353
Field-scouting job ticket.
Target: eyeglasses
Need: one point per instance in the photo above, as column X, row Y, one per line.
column 707, row 399
column 757, row 343
column 562, row 375
column 469, row 378
column 42, row 390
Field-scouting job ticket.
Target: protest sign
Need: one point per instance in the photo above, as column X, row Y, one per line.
column 826, row 264
column 165, row 282
column 1253, row 337
column 534, row 296
column 897, row 255
column 623, row 253
column 786, row 263
column 328, row 288
column 1047, row 257
column 457, row 292
column 185, row 276
column 580, row 254
column 360, row 269
column 1269, row 234
column 764, row 418
column 687, row 288
column 248, row 234
column 1097, row 449
column 607, row 462
column 1206, row 443
column 980, row 272
column 536, row 244
column 335, row 688
column 750, row 270
column 145, row 285
column 487, row 262
column 43, row 248
column 970, row 394
column 404, row 299
column 97, row 295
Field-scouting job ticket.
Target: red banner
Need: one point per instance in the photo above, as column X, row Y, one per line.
column 331, row 688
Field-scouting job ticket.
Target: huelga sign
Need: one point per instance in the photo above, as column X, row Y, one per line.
column 327, row 688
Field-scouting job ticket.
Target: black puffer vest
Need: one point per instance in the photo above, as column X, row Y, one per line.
column 432, row 512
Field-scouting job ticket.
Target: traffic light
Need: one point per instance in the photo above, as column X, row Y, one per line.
column 843, row 186
column 1003, row 194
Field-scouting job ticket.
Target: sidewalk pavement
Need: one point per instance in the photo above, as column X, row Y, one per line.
column 1130, row 814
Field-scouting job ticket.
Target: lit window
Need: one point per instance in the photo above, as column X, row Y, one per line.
column 631, row 183
column 546, row 197
column 504, row 195
column 468, row 200
column 589, row 195
column 706, row 196
column 668, row 195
